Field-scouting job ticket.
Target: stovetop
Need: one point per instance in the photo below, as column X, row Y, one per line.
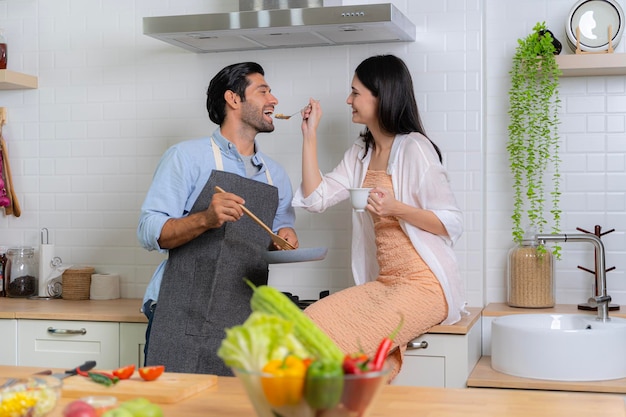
column 305, row 303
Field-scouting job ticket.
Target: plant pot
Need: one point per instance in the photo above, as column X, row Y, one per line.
column 530, row 274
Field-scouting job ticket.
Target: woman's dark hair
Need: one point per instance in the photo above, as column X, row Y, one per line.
column 234, row 78
column 389, row 79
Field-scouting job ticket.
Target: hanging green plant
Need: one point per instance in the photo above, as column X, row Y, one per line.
column 533, row 143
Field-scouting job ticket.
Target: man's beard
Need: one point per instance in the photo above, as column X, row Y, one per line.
column 255, row 118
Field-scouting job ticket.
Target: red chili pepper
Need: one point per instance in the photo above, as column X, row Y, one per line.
column 81, row 372
column 383, row 348
column 103, row 378
column 107, row 374
column 356, row 363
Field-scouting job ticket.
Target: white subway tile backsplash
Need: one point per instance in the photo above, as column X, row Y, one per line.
column 615, row 85
column 585, row 104
column 616, row 104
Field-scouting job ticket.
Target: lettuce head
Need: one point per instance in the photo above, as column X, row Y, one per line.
column 261, row 338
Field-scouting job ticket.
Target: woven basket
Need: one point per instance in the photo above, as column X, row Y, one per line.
column 76, row 283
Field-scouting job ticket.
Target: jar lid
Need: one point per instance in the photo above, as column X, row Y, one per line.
column 21, row 249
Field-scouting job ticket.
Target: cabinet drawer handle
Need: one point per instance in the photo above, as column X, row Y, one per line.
column 417, row 345
column 66, row 331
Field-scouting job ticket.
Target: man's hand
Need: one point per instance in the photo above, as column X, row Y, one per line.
column 289, row 235
column 224, row 207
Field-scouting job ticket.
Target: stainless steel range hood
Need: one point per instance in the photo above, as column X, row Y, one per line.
column 282, row 24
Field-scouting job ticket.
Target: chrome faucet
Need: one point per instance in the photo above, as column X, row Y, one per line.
column 601, row 299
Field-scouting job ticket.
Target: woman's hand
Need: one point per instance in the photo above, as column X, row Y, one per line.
column 311, row 116
column 382, row 202
column 311, row 176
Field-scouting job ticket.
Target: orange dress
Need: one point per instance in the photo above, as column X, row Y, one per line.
column 359, row 317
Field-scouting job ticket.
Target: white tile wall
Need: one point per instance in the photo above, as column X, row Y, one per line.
column 593, row 145
column 84, row 145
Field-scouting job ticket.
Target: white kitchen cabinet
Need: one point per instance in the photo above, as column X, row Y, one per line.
column 8, row 352
column 441, row 360
column 132, row 342
column 66, row 343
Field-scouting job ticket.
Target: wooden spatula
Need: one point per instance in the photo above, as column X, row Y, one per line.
column 14, row 208
column 282, row 243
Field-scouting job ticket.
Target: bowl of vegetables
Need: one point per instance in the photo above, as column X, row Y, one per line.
column 290, row 368
column 34, row 396
column 294, row 388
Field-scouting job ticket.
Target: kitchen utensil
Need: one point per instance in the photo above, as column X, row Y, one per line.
column 287, row 117
column 358, row 197
column 167, row 389
column 296, row 255
column 84, row 367
column 87, row 366
column 14, row 208
column 282, row 243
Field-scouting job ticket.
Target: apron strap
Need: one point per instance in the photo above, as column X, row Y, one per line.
column 219, row 163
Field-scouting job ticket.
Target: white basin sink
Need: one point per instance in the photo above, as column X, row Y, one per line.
column 560, row 347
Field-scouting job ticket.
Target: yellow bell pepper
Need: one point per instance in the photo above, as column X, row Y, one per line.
column 285, row 386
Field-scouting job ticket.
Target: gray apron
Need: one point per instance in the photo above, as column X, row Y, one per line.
column 203, row 290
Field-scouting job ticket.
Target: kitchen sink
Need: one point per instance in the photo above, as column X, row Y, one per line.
column 561, row 347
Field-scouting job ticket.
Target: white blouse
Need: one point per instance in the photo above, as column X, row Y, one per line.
column 419, row 180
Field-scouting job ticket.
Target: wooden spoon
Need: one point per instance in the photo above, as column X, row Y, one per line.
column 282, row 243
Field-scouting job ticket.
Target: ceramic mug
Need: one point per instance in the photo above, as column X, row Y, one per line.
column 358, row 197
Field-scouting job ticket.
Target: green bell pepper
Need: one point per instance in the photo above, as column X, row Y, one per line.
column 324, row 384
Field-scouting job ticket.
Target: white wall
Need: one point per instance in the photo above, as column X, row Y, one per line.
column 593, row 149
column 84, row 145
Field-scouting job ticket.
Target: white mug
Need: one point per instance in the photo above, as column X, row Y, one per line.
column 358, row 197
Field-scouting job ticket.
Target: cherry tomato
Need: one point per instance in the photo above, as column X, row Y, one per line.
column 124, row 372
column 150, row 373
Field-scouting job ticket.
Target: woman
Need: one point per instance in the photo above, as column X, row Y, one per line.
column 402, row 244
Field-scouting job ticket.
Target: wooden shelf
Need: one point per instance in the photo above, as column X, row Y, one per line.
column 11, row 80
column 580, row 65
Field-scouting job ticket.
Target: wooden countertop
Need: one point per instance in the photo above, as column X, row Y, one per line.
column 461, row 327
column 228, row 398
column 485, row 376
column 126, row 310
column 502, row 309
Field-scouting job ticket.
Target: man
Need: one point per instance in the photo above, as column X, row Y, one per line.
column 211, row 245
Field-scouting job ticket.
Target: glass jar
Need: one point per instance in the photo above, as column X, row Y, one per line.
column 530, row 274
column 21, row 272
column 3, row 261
column 3, row 50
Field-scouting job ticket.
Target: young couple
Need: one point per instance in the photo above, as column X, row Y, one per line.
column 402, row 257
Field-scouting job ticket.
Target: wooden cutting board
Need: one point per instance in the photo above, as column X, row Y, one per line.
column 171, row 387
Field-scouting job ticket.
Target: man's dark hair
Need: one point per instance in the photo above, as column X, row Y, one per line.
column 234, row 78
